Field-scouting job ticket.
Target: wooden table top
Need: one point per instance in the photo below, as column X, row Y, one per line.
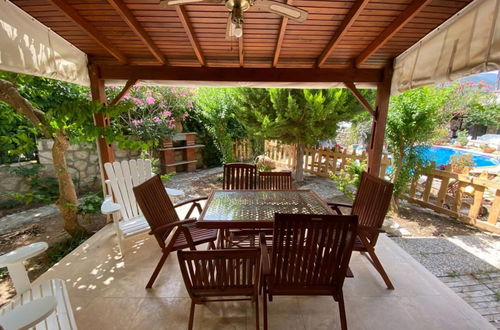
column 240, row 209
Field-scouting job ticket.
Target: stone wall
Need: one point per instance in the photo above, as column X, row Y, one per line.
column 83, row 163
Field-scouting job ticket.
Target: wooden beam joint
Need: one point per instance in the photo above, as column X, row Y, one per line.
column 360, row 98
column 124, row 91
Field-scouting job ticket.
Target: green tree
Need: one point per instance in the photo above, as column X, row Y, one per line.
column 60, row 112
column 484, row 115
column 215, row 108
column 411, row 124
column 300, row 117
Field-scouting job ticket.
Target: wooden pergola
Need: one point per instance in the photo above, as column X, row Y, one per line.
column 350, row 42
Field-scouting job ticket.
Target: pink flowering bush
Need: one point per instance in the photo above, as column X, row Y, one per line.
column 157, row 112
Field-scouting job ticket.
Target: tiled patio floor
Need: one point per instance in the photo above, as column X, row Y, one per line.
column 108, row 292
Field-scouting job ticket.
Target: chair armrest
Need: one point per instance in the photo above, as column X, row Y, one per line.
column 193, row 200
column 339, row 205
column 264, row 256
column 163, row 228
column 108, row 207
column 370, row 229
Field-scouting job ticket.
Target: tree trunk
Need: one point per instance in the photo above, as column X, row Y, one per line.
column 299, row 168
column 67, row 202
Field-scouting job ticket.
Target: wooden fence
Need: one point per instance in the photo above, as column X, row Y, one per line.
column 242, row 150
column 316, row 161
column 474, row 200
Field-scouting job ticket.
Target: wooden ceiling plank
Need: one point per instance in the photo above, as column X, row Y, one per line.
column 88, row 28
column 125, row 90
column 360, row 97
column 409, row 13
column 136, row 27
column 236, row 74
column 342, row 30
column 188, row 27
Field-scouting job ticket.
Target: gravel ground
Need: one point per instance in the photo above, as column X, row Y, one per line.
column 442, row 257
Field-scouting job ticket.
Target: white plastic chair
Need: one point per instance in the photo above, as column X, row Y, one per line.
column 121, row 204
column 45, row 306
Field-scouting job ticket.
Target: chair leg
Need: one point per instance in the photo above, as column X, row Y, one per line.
column 376, row 262
column 264, row 305
column 343, row 319
column 157, row 270
column 257, row 326
column 191, row 316
column 121, row 245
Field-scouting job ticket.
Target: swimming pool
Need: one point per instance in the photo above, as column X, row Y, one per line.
column 442, row 155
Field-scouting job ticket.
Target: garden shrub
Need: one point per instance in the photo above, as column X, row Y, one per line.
column 350, row 177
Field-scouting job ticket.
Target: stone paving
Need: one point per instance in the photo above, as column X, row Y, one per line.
column 469, row 265
column 481, row 291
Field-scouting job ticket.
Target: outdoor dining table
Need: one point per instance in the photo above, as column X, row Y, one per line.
column 249, row 209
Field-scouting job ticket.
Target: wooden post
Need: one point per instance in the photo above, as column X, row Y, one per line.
column 379, row 120
column 106, row 153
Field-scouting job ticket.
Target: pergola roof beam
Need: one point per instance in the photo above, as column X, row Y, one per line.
column 360, row 97
column 281, row 37
column 186, row 23
column 89, row 29
column 124, row 91
column 171, row 73
column 342, row 30
column 132, row 22
column 411, row 11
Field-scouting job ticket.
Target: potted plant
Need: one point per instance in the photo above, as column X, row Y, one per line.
column 487, row 149
column 461, row 162
column 462, row 140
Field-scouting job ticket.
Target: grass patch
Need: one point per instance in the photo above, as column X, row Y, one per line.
column 497, row 296
column 63, row 248
column 453, row 274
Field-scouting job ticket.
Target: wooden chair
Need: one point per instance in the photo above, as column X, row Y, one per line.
column 121, row 203
column 163, row 220
column 310, row 256
column 221, row 273
column 275, row 180
column 238, row 176
column 370, row 205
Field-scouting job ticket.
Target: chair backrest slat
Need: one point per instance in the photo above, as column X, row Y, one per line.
column 156, row 205
column 238, row 176
column 123, row 176
column 275, row 180
column 372, row 202
column 311, row 252
column 220, row 272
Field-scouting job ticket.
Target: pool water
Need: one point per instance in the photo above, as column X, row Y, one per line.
column 442, row 155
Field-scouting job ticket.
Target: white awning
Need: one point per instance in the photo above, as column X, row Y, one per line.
column 466, row 44
column 27, row 46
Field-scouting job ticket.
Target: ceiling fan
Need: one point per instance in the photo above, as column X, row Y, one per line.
column 238, row 7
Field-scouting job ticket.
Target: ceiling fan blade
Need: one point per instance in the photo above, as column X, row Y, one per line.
column 165, row 3
column 291, row 12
